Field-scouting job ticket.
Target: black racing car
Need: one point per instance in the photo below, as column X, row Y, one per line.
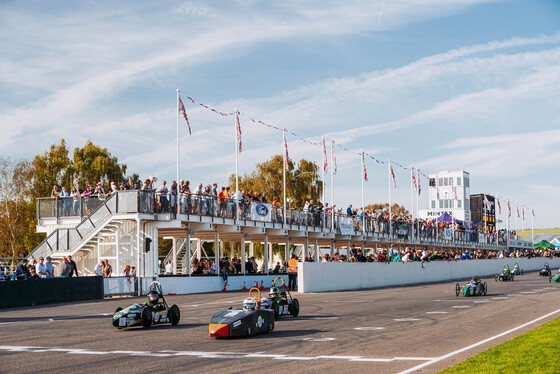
column 153, row 312
column 280, row 300
column 505, row 275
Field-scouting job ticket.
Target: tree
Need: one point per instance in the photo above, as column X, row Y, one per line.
column 302, row 183
column 53, row 167
column 94, row 164
column 17, row 215
column 396, row 209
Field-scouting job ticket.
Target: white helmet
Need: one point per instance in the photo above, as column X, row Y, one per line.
column 249, row 304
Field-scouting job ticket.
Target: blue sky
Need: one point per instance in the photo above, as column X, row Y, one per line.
column 438, row 84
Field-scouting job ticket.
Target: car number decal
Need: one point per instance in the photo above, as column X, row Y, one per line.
column 260, row 321
column 122, row 321
column 156, row 317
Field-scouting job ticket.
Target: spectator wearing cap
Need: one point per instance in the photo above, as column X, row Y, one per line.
column 50, row 267
column 22, row 271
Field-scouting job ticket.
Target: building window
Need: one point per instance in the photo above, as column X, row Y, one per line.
column 445, row 182
column 458, row 181
column 446, row 203
column 466, row 181
column 433, row 204
column 440, row 182
column 441, row 204
column 458, row 203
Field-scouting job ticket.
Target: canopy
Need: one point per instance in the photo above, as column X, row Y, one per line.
column 446, row 217
column 555, row 242
column 543, row 244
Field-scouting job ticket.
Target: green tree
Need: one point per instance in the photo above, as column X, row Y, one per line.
column 52, row 167
column 302, row 182
column 94, row 164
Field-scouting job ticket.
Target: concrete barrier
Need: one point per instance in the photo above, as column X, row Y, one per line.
column 186, row 285
column 338, row 276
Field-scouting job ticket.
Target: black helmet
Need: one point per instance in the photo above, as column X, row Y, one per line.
column 273, row 292
column 153, row 297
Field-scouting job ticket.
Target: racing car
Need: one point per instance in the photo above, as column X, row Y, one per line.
column 546, row 272
column 474, row 288
column 280, row 300
column 506, row 275
column 516, row 269
column 556, row 278
column 153, row 312
column 251, row 320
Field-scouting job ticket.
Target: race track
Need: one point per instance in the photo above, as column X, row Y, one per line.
column 422, row 329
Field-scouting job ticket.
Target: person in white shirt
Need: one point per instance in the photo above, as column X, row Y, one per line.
column 168, row 268
column 41, row 268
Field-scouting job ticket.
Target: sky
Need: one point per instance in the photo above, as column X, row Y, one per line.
column 440, row 85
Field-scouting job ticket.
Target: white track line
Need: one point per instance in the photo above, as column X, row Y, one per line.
column 433, row 361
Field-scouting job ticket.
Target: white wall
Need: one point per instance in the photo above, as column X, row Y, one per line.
column 336, row 276
column 188, row 285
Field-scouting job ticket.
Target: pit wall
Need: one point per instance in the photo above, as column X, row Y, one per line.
column 338, row 276
column 186, row 285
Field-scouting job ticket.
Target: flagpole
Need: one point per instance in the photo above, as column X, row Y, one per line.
column 363, row 205
column 332, row 185
column 412, row 195
column 389, row 179
column 523, row 221
column 508, row 215
column 516, row 219
column 417, row 210
column 532, row 229
column 284, row 173
column 324, row 158
column 177, row 197
column 235, row 130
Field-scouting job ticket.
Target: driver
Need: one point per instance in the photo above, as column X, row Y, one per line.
column 153, row 300
column 249, row 304
column 506, row 270
column 476, row 285
column 273, row 294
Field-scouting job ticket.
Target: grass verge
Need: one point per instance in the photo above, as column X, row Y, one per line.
column 537, row 351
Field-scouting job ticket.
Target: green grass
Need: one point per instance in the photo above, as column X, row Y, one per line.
column 537, row 351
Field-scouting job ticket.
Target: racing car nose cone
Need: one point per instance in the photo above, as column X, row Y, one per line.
column 217, row 330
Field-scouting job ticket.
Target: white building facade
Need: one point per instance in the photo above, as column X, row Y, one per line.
column 448, row 192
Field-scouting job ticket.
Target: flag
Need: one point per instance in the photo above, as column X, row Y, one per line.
column 414, row 180
column 333, row 158
column 454, row 192
column 286, row 157
column 238, row 127
column 184, row 113
column 324, row 155
column 523, row 211
column 488, row 206
column 533, row 211
column 419, row 188
column 517, row 208
column 392, row 174
column 364, row 166
column 499, row 206
column 509, row 209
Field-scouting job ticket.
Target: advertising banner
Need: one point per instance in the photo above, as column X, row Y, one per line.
column 447, row 235
column 261, row 212
column 346, row 226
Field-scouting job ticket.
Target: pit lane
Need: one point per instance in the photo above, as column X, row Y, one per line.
column 391, row 330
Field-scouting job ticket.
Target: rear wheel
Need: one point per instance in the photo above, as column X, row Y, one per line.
column 174, row 315
column 294, row 307
column 512, row 277
column 485, row 290
column 550, row 277
column 457, row 289
column 521, row 271
column 276, row 310
column 496, row 277
column 146, row 318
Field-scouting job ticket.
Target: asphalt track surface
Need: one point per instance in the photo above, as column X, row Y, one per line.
column 423, row 328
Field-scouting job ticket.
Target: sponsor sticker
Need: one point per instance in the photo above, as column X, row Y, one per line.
column 260, row 321
column 122, row 321
column 237, row 323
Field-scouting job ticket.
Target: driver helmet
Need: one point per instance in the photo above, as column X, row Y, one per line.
column 153, row 297
column 273, row 293
column 475, row 280
column 265, row 303
column 249, row 304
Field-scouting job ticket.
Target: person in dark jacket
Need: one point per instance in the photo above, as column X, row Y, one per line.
column 22, row 271
column 72, row 266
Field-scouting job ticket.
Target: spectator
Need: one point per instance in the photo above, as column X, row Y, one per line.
column 99, row 269
column 107, row 269
column 41, row 269
column 75, row 196
column 22, row 271
column 66, row 202
column 162, row 194
column 50, row 268
column 211, row 267
column 126, row 272
column 32, row 272
column 169, row 268
column 73, row 267
column 132, row 271
column 66, row 268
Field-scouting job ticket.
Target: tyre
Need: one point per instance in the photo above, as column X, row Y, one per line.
column 485, row 291
column 457, row 290
column 521, row 271
column 118, row 309
column 146, row 318
column 276, row 310
column 550, row 277
column 174, row 315
column 294, row 308
column 512, row 277
column 496, row 277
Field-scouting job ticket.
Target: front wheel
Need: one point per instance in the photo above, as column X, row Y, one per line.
column 496, row 277
column 457, row 290
column 550, row 277
column 521, row 271
column 512, row 277
column 485, row 290
column 146, row 318
column 294, row 308
column 118, row 310
column 174, row 315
